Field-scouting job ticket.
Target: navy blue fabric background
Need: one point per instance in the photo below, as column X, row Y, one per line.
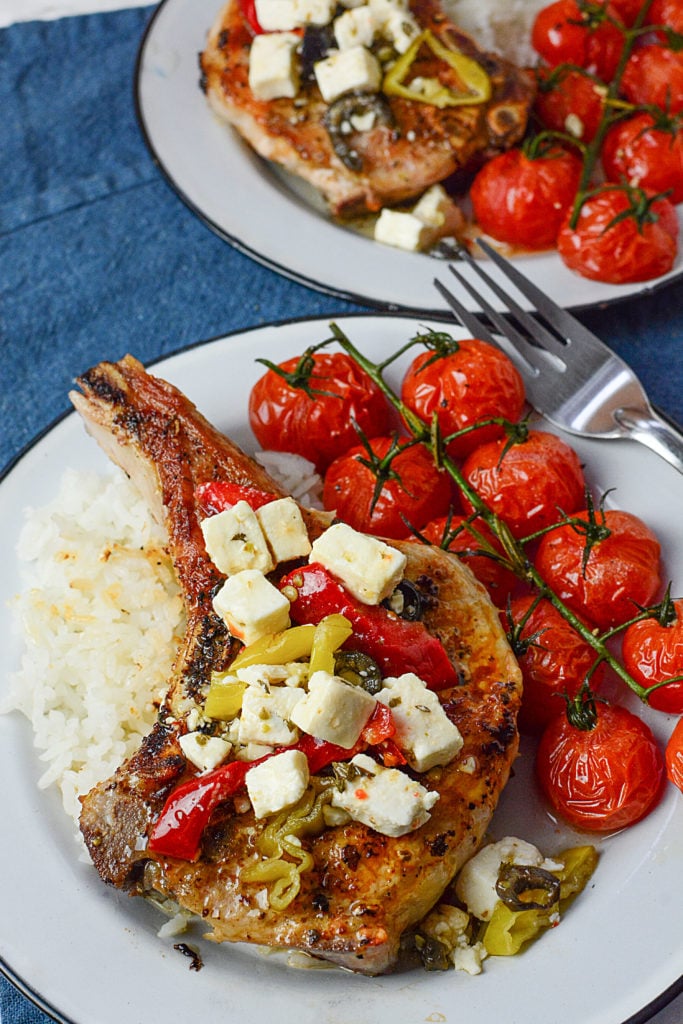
column 98, row 257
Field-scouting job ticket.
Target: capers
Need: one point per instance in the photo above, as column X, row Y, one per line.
column 359, row 669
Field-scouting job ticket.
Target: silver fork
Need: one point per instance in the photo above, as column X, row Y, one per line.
column 570, row 376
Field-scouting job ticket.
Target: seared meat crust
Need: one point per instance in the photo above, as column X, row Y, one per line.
column 421, row 146
column 365, row 889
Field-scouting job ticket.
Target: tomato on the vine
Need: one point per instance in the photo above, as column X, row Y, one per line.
column 569, row 100
column 308, row 405
column 622, row 235
column 602, row 564
column 646, row 152
column 412, row 489
column 654, row 76
column 626, row 10
column 522, row 198
column 674, row 756
column 652, row 651
column 464, row 382
column 602, row 776
column 555, row 661
column 530, row 484
column 468, row 540
column 566, row 32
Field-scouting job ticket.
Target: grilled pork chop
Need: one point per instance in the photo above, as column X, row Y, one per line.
column 412, row 146
column 364, row 889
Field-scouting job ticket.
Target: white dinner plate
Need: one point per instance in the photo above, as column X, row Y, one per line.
column 277, row 220
column 91, row 955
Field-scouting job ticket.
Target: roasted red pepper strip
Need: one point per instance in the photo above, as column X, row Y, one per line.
column 217, row 495
column 396, row 644
column 248, row 8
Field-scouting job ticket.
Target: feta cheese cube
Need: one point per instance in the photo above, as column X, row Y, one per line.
column 292, row 673
column 401, row 229
column 355, row 27
column 424, row 732
column 355, row 68
column 433, row 206
column 278, row 782
column 273, row 67
column 284, row 529
column 476, row 884
column 385, row 799
column 367, row 567
column 333, row 709
column 266, row 715
column 401, row 29
column 383, row 10
column 251, row 606
column 234, row 540
column 205, row 752
column 283, row 15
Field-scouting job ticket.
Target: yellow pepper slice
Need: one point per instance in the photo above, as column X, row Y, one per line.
column 330, row 634
column 476, row 84
column 224, row 699
column 277, row 648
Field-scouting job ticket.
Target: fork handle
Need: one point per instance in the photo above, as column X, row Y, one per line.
column 652, row 430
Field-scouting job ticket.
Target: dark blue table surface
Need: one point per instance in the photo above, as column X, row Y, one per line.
column 98, row 257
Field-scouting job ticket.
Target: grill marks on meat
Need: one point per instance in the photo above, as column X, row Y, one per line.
column 365, row 889
column 422, row 146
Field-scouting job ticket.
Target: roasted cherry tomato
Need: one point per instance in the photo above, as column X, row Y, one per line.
column 554, row 660
column 566, row 32
column 606, row 581
column 653, row 651
column 666, row 12
column 522, row 200
column 570, row 100
column 626, row 10
column 468, row 539
column 644, row 153
column 602, row 777
column 467, row 381
column 531, row 484
column 413, row 491
column 674, row 756
column 309, row 405
column 654, row 76
column 621, row 235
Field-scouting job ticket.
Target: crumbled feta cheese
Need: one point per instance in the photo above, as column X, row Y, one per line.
column 385, row 799
column 283, row 15
column 368, row 568
column 278, row 782
column 432, row 206
column 401, row 29
column 355, row 27
column 284, row 529
column 266, row 715
column 273, row 68
column 476, row 883
column 205, row 752
column 251, row 606
column 424, row 732
column 346, row 70
column 234, row 540
column 401, row 229
column 333, row 709
column 292, row 673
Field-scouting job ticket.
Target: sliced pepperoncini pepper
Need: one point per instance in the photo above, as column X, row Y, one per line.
column 472, row 85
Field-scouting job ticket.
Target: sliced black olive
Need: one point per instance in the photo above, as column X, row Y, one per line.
column 524, row 887
column 318, row 40
column 337, row 121
column 434, row 954
column 359, row 669
column 410, row 604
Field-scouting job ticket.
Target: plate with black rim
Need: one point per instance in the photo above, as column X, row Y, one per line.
column 86, row 952
column 276, row 219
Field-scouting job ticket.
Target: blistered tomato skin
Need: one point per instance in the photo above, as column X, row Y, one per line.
column 318, row 426
column 570, row 101
column 640, row 153
column 476, row 382
column 603, row 779
column 561, row 35
column 620, row 576
column 654, row 75
column 531, row 484
column 674, row 756
column 652, row 653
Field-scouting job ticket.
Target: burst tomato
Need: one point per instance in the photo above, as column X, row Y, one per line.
column 530, row 484
column 666, row 12
column 553, row 658
column 674, row 756
column 522, row 200
column 459, row 535
column 654, row 76
column 620, row 573
column 602, row 778
column 413, row 491
column 310, row 405
column 642, row 153
column 565, row 33
column 471, row 381
column 621, row 235
column 653, row 652
column 569, row 101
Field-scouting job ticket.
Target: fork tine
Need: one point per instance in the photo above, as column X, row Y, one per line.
column 469, row 319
